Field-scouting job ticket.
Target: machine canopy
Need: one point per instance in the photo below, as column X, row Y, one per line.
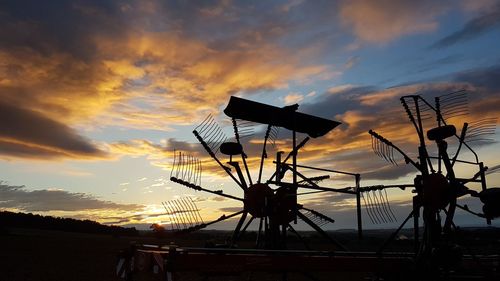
column 285, row 117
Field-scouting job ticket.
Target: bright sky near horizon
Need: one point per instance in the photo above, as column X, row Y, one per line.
column 95, row 95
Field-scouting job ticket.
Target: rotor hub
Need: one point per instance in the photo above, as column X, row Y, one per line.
column 257, row 197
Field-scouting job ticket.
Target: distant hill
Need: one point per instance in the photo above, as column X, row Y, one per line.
column 23, row 220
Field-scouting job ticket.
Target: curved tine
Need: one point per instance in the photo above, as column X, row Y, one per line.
column 453, row 110
column 193, row 220
column 484, row 128
column 189, row 212
column 389, row 206
column 223, row 140
column 171, row 223
column 196, row 208
column 366, row 207
column 451, row 101
column 202, row 122
column 196, row 171
column 208, row 124
column 184, row 211
column 456, row 112
column 384, row 151
column 179, row 165
column 184, row 166
column 188, row 168
column 192, row 210
column 454, row 93
column 173, row 216
column 486, row 119
column 482, row 132
column 216, row 141
column 373, row 145
column 178, row 212
column 378, row 207
column 393, row 157
column 387, row 152
column 384, row 207
column 209, row 131
column 372, row 208
column 173, row 166
column 449, row 116
column 455, row 97
column 212, row 135
column 454, row 103
column 200, row 167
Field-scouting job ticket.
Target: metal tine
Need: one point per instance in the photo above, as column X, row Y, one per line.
column 210, row 131
column 374, row 145
column 448, row 100
column 196, row 209
column 200, row 172
column 176, row 214
column 383, row 202
column 389, row 205
column 203, row 123
column 207, row 126
column 393, row 157
column 212, row 134
column 185, row 211
column 374, row 208
column 366, row 208
column 452, row 103
column 381, row 207
column 487, row 119
column 192, row 218
column 179, row 165
column 188, row 169
column 378, row 206
column 182, row 213
column 173, row 166
column 171, row 224
column 173, row 215
column 191, row 211
column 370, row 204
column 454, row 93
column 453, row 110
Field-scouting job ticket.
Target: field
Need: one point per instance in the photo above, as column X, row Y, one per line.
column 29, row 254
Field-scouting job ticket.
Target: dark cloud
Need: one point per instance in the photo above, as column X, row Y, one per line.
column 19, row 197
column 472, row 29
column 28, row 134
column 230, row 209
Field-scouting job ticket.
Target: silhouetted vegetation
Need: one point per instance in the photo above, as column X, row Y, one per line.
column 22, row 220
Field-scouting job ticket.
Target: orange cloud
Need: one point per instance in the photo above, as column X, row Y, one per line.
column 383, row 21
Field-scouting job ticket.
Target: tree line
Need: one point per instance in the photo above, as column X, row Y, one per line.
column 29, row 220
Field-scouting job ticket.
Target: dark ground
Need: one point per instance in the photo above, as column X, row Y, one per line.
column 30, row 254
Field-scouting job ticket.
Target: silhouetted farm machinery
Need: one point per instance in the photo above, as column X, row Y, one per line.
column 274, row 203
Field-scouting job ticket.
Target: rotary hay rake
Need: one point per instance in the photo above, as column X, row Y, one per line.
column 274, row 202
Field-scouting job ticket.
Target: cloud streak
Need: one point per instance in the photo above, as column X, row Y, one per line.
column 20, row 198
column 474, row 28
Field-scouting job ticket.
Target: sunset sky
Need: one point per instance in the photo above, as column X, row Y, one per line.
column 96, row 95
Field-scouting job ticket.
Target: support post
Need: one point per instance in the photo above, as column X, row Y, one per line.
column 358, row 207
